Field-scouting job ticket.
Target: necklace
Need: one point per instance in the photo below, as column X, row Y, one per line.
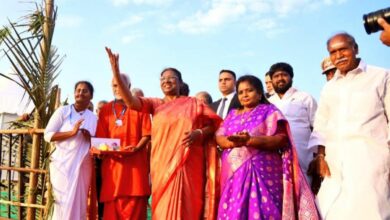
column 73, row 108
column 246, row 117
column 118, row 120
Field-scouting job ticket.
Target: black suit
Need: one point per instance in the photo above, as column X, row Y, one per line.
column 233, row 104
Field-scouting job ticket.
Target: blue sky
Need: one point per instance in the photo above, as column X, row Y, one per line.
column 200, row 38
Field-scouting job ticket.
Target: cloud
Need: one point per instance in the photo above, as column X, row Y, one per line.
column 269, row 26
column 334, row 2
column 131, row 38
column 128, row 22
column 69, row 21
column 219, row 13
column 120, row 2
column 141, row 2
column 265, row 24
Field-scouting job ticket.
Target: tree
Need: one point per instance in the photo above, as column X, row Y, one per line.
column 28, row 47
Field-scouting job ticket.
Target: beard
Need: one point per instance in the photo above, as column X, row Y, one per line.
column 282, row 89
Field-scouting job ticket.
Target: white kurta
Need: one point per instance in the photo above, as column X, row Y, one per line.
column 71, row 164
column 351, row 123
column 299, row 108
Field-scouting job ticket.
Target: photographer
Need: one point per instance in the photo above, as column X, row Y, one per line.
column 385, row 35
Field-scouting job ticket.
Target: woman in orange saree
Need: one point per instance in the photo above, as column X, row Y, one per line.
column 182, row 130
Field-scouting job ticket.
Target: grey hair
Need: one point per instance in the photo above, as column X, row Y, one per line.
column 126, row 78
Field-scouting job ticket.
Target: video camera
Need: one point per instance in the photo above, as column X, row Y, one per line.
column 370, row 20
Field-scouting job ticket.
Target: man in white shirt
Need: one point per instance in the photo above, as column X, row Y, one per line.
column 299, row 109
column 229, row 100
column 352, row 131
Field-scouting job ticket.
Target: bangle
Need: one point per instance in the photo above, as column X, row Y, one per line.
column 200, row 131
column 320, row 155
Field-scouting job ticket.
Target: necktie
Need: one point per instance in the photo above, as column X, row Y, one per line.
column 221, row 110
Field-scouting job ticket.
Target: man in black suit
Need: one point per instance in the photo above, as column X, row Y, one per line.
column 229, row 100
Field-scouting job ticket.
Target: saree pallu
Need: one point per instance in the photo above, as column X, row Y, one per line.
column 178, row 173
column 258, row 184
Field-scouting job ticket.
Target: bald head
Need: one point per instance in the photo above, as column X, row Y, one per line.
column 137, row 92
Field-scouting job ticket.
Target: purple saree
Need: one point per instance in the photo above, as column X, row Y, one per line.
column 258, row 184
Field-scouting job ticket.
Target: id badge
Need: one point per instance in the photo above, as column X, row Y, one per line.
column 118, row 122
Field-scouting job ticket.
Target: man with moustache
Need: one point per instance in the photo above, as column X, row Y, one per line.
column 124, row 178
column 229, row 100
column 299, row 109
column 352, row 132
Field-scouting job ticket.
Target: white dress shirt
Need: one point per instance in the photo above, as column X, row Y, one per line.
column 352, row 124
column 299, row 108
column 229, row 99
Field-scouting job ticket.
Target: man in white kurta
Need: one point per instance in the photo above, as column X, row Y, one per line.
column 298, row 107
column 352, row 126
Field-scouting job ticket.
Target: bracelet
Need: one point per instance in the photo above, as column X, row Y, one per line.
column 200, row 131
column 320, row 155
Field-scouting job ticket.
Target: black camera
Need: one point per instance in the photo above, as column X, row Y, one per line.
column 370, row 20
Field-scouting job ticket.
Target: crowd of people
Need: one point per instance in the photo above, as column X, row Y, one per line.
column 252, row 154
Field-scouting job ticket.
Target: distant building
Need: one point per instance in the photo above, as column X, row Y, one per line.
column 13, row 103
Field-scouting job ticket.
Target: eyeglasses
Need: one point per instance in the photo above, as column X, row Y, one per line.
column 169, row 78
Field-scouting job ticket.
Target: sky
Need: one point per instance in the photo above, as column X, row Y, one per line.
column 199, row 38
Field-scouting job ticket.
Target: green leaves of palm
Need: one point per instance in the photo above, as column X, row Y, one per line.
column 34, row 61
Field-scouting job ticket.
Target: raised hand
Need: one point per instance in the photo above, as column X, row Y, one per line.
column 114, row 61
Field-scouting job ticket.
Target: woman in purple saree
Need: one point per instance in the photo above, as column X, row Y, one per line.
column 260, row 176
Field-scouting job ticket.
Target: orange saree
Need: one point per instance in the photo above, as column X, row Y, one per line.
column 178, row 173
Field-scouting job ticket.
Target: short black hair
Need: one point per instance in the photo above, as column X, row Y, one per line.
column 89, row 85
column 228, row 71
column 256, row 83
column 281, row 67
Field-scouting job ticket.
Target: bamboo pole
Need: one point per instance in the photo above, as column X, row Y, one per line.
column 20, row 173
column 34, row 165
column 24, row 170
column 23, row 131
column 35, row 206
column 9, row 174
column 45, row 46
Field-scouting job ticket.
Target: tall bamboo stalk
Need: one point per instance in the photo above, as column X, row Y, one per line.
column 45, row 49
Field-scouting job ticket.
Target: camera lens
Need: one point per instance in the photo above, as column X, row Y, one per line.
column 370, row 20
